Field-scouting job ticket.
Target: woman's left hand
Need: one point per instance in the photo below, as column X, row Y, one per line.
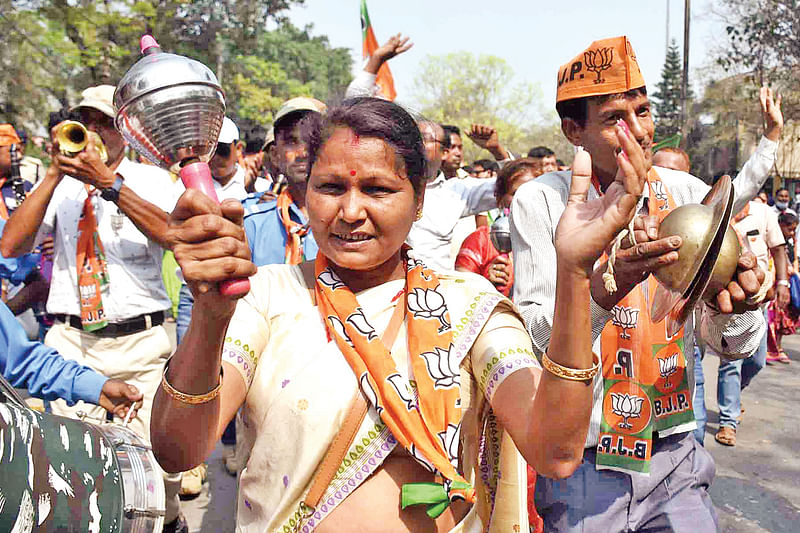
column 588, row 227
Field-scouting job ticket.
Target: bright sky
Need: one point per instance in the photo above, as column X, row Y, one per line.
column 534, row 37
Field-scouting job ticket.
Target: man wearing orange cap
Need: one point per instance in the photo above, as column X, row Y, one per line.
column 26, row 289
column 641, row 468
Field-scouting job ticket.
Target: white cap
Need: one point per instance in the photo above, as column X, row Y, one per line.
column 100, row 98
column 229, row 132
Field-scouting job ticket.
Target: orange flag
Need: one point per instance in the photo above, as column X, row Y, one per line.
column 384, row 80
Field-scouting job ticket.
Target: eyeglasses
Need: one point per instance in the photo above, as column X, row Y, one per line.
column 224, row 149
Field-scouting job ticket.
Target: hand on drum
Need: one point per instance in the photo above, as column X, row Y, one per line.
column 117, row 397
column 746, row 283
column 587, row 227
column 209, row 243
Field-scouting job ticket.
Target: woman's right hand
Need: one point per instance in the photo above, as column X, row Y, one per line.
column 210, row 246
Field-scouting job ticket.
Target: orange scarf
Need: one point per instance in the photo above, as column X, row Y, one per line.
column 294, row 230
column 92, row 268
column 3, row 209
column 428, row 423
column 646, row 386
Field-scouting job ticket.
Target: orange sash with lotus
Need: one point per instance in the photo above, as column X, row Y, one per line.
column 294, row 230
column 425, row 421
column 645, row 383
column 92, row 268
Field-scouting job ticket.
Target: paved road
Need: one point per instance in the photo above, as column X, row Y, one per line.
column 757, row 488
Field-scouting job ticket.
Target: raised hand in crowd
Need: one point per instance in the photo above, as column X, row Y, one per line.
column 499, row 270
column 251, row 163
column 396, row 45
column 486, row 137
column 117, row 397
column 771, row 111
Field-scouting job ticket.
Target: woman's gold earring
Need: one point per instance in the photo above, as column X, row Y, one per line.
column 419, row 213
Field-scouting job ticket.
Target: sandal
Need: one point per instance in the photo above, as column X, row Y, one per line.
column 783, row 358
column 726, row 436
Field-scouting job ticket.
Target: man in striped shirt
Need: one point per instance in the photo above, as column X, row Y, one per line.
column 655, row 477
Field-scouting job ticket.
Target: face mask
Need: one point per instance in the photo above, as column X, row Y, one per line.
column 782, row 205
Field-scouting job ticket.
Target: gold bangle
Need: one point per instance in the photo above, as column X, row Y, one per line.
column 191, row 399
column 571, row 374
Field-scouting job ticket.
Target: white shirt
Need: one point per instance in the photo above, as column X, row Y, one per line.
column 233, row 189
column 760, row 232
column 134, row 261
column 447, row 202
column 535, row 212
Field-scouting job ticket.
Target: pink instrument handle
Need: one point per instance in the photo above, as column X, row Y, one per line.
column 198, row 176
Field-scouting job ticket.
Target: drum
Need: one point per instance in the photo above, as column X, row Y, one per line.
column 143, row 486
column 61, row 474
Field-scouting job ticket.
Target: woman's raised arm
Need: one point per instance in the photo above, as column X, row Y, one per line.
column 548, row 416
column 195, row 403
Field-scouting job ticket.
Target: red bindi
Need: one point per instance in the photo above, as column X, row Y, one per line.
column 352, row 172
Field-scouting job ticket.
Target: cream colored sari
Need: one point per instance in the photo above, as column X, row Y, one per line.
column 300, row 388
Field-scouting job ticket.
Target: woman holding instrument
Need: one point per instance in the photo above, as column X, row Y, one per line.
column 440, row 362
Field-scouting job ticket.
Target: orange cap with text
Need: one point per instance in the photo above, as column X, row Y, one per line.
column 8, row 135
column 608, row 66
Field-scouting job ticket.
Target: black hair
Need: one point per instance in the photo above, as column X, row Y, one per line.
column 378, row 119
column 449, row 130
column 577, row 108
column 512, row 169
column 787, row 219
column 540, row 152
column 487, row 164
column 57, row 117
column 781, row 189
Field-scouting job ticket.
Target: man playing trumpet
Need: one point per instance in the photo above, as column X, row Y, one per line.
column 109, row 221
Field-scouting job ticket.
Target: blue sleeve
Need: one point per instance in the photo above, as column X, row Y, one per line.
column 41, row 369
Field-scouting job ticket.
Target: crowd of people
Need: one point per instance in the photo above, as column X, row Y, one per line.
column 426, row 345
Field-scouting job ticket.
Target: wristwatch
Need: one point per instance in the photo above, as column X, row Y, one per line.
column 784, row 282
column 112, row 193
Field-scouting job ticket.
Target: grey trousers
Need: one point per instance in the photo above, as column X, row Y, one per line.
column 673, row 498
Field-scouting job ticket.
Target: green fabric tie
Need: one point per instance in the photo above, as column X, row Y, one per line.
column 431, row 494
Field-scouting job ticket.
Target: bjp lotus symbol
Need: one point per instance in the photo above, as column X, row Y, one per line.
column 625, row 318
column 598, row 60
column 668, row 366
column 627, row 406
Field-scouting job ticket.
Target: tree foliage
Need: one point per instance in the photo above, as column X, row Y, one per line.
column 63, row 46
column 667, row 98
column 763, row 48
column 461, row 88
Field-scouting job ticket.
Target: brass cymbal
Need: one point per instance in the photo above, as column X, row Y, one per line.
column 703, row 228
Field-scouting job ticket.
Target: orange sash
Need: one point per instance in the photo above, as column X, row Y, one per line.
column 92, row 268
column 294, row 231
column 646, row 386
column 3, row 209
column 425, row 421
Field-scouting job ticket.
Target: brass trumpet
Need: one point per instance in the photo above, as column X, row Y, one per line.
column 73, row 137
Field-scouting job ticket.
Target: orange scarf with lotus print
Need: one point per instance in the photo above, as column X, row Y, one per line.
column 294, row 230
column 92, row 268
column 645, row 380
column 426, row 424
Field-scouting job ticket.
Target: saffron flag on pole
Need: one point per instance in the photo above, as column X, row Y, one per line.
column 384, row 79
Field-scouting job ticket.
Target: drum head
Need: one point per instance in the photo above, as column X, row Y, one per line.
column 677, row 306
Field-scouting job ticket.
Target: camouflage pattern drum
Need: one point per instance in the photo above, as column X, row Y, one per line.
column 59, row 474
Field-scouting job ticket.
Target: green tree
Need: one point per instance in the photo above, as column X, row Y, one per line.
column 667, row 98
column 63, row 46
column 462, row 88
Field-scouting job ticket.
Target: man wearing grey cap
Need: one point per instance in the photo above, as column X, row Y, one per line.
column 109, row 220
column 277, row 230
